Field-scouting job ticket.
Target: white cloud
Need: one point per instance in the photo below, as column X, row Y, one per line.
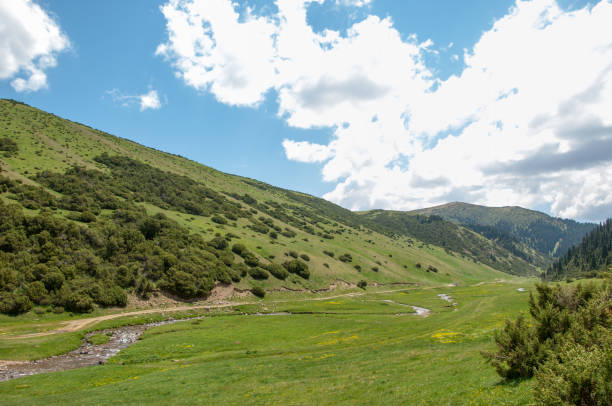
column 305, row 151
column 354, row 3
column 149, row 100
column 214, row 48
column 527, row 122
column 30, row 40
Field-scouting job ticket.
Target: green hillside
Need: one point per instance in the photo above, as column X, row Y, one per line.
column 89, row 219
column 592, row 256
column 513, row 226
column 458, row 239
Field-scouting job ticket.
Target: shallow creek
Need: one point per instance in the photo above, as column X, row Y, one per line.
column 86, row 355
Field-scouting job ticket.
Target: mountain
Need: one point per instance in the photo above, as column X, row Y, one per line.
column 593, row 254
column 88, row 219
column 433, row 229
column 512, row 226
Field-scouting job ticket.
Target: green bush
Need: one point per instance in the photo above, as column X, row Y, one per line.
column 519, row 351
column 362, row 284
column 218, row 243
column 563, row 319
column 218, row 219
column 258, row 273
column 297, row 267
column 36, row 292
column 277, row 271
column 8, row 146
column 53, row 280
column 345, row 257
column 87, row 217
column 258, row 291
column 305, row 257
column 110, row 295
column 329, row 253
column 14, row 303
column 576, row 375
column 292, row 253
column 375, row 269
column 251, row 260
column 239, row 249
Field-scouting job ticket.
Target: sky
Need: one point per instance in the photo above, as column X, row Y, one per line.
column 367, row 103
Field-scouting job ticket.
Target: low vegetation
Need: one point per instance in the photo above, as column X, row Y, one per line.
column 566, row 344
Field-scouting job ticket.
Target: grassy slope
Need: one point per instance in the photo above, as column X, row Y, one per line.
column 452, row 237
column 47, row 142
column 530, row 226
column 346, row 358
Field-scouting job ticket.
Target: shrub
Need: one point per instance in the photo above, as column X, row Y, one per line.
column 357, row 267
column 297, row 267
column 362, row 284
column 87, row 217
column 14, row 303
column 258, row 291
column 36, row 292
column 53, row 281
column 375, row 268
column 576, row 375
column 273, row 235
column 292, row 253
column 111, row 296
column 329, row 253
column 9, row 146
column 562, row 316
column 277, row 271
column 345, row 258
column 258, row 273
column 326, row 265
column 219, row 243
column 305, row 257
column 241, row 269
column 218, row 219
column 418, row 265
column 288, row 233
column 239, row 249
column 519, row 351
column 251, row 260
column 144, row 288
column 432, row 269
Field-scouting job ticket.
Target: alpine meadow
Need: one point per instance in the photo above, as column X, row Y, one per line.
column 453, row 247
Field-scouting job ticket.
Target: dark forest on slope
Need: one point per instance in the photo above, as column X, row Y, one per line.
column 591, row 256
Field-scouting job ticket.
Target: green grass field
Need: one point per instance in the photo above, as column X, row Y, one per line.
column 362, row 349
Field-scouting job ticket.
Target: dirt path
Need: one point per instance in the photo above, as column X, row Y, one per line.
column 76, row 325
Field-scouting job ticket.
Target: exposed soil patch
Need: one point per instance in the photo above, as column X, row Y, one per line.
column 221, row 293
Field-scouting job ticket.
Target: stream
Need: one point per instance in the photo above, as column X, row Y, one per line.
column 86, row 355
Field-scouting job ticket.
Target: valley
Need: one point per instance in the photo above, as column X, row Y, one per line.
column 283, row 298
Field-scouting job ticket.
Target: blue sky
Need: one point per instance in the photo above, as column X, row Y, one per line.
column 312, row 137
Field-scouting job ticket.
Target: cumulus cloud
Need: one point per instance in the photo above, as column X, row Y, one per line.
column 215, row 48
column 30, row 40
column 304, row 151
column 149, row 100
column 527, row 122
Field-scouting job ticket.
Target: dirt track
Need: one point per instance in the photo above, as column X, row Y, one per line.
column 76, row 325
